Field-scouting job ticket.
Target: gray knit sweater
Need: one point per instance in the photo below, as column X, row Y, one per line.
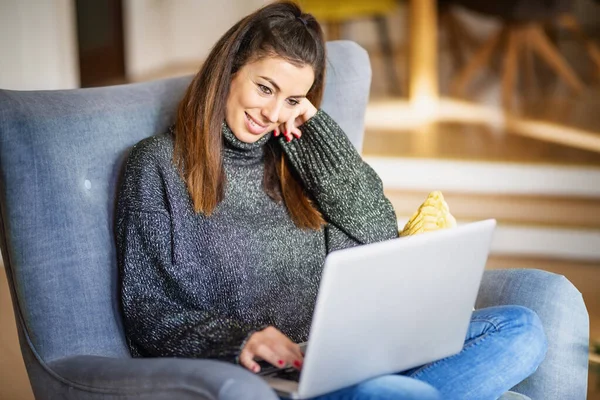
column 197, row 286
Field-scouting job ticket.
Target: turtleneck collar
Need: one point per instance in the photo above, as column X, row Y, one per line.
column 234, row 150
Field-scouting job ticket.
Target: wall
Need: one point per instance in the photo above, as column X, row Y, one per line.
column 38, row 45
column 147, row 35
column 38, row 40
column 161, row 34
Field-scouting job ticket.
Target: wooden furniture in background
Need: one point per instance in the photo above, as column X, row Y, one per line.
column 100, row 40
column 522, row 35
column 334, row 14
column 423, row 69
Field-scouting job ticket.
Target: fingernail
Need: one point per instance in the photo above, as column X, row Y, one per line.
column 297, row 364
column 288, row 139
column 280, row 362
column 256, row 368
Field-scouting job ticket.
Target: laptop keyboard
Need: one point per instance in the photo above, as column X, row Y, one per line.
column 289, row 374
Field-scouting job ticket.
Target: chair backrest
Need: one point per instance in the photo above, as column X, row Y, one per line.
column 61, row 154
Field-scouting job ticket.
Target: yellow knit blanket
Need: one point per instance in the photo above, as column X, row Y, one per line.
column 432, row 215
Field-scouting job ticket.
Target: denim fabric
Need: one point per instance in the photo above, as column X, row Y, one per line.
column 387, row 387
column 61, row 154
column 564, row 372
column 503, row 346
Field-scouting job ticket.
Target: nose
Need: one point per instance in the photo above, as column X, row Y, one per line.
column 272, row 110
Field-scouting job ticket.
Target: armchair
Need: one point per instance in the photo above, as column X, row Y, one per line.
column 61, row 154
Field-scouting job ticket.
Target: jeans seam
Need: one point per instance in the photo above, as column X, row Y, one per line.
column 480, row 319
column 475, row 342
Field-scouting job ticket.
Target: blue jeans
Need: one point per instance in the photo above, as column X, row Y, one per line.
column 504, row 345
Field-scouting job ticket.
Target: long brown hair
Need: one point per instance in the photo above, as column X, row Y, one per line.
column 280, row 29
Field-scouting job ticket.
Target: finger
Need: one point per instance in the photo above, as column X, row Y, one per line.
column 276, row 132
column 269, row 355
column 247, row 360
column 299, row 357
column 291, row 354
column 290, row 127
column 286, row 348
column 297, row 133
column 298, row 352
column 291, row 347
column 281, row 130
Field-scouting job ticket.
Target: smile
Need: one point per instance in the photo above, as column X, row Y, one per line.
column 254, row 127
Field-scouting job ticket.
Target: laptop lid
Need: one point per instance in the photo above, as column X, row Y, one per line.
column 386, row 307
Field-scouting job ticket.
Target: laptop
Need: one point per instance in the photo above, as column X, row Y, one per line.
column 386, row 307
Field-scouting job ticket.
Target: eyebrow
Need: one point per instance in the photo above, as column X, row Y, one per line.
column 277, row 86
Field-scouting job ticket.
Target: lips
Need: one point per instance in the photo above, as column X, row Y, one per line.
column 253, row 126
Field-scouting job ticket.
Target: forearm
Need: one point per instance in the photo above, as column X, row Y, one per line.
column 348, row 192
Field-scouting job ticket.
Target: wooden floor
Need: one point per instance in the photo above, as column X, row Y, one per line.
column 470, row 142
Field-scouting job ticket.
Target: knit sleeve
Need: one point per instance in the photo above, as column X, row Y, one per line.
column 158, row 321
column 347, row 190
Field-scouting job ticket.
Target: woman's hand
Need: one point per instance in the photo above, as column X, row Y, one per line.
column 302, row 112
column 272, row 346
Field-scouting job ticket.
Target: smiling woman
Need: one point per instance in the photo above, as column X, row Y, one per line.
column 224, row 222
column 265, row 94
column 254, row 79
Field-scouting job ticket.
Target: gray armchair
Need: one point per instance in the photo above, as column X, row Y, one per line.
column 61, row 153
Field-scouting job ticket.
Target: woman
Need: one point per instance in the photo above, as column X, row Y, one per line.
column 224, row 222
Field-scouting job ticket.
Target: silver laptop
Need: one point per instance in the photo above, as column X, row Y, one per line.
column 386, row 307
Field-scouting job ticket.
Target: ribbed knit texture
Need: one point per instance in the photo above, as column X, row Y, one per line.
column 197, row 286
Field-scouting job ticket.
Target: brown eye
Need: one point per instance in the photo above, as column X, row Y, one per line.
column 264, row 89
column 293, row 102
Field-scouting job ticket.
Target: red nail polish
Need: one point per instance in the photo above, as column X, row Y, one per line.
column 288, row 139
column 297, row 364
column 280, row 362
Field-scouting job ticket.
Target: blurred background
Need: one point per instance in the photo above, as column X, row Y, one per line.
column 497, row 104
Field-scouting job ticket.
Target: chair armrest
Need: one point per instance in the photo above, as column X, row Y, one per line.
column 95, row 377
column 564, row 372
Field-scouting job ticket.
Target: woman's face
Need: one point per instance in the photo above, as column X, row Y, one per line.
column 263, row 95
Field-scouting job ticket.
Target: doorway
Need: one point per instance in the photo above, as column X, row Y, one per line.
column 100, row 42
